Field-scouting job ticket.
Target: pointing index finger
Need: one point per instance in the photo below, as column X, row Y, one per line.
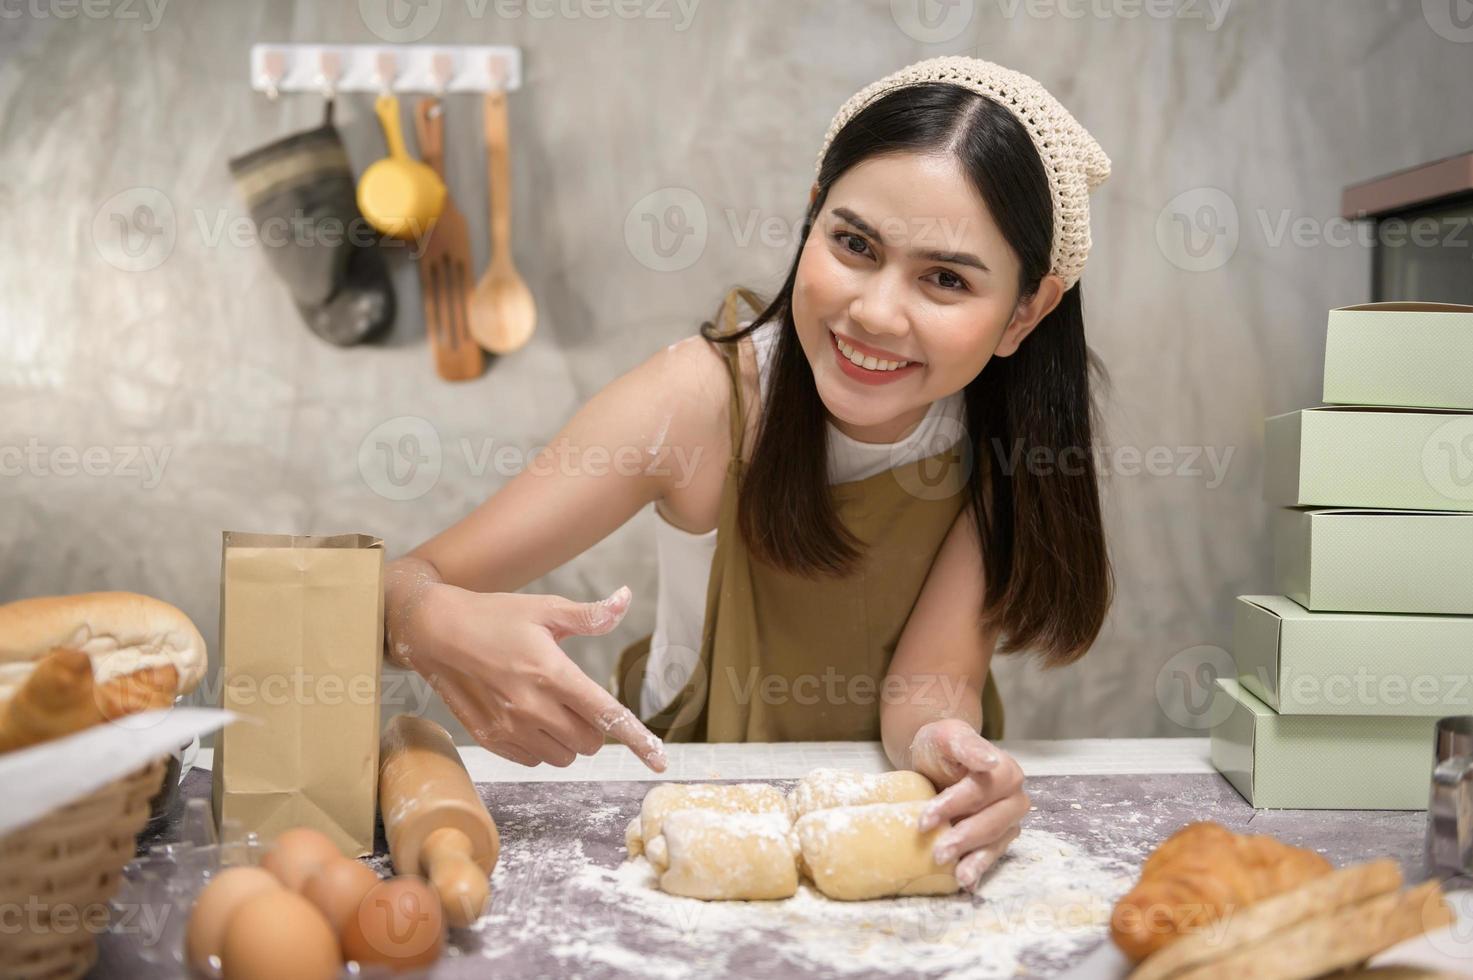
column 602, row 710
column 621, row 723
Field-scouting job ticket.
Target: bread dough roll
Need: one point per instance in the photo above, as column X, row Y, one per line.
column 824, row 788
column 667, row 798
column 872, row 851
column 633, row 840
column 712, row 854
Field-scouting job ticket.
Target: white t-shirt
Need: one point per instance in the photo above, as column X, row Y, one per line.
column 685, row 558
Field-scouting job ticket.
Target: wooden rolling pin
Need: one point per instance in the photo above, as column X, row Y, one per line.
column 435, row 822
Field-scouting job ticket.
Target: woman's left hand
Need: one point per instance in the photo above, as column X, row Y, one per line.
column 981, row 795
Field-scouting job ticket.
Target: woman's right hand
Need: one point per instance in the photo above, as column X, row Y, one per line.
column 494, row 658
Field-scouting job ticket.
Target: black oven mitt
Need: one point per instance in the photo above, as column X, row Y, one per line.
column 300, row 193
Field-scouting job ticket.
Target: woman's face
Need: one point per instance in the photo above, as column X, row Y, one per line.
column 905, row 264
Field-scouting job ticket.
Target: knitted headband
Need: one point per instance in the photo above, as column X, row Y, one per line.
column 1073, row 160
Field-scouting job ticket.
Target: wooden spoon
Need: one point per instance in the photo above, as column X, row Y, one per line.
column 502, row 311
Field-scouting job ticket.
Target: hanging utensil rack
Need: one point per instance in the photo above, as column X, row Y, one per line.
column 441, row 69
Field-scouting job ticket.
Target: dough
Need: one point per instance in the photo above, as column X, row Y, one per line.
column 855, row 837
column 824, row 788
column 667, row 798
column 712, row 854
column 633, row 838
column 872, row 851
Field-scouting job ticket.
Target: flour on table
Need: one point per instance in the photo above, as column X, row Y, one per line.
column 1047, row 898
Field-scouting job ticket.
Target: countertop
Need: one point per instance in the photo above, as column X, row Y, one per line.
column 566, row 903
column 793, row 760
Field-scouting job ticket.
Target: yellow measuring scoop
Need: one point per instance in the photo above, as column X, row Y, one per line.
column 399, row 195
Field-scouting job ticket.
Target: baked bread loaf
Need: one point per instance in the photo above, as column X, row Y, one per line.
column 1199, row 874
column 69, row 662
column 121, row 632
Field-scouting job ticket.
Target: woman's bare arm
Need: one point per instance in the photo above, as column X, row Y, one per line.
column 634, row 442
column 943, row 656
column 941, row 665
column 452, row 612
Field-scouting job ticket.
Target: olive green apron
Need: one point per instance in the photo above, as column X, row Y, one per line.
column 789, row 658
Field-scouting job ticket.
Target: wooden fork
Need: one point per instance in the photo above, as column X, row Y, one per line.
column 445, row 280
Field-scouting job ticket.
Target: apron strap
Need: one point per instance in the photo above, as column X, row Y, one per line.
column 730, row 313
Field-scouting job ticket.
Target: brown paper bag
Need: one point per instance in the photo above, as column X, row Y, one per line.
column 301, row 645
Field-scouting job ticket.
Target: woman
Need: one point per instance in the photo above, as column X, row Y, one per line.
column 868, row 513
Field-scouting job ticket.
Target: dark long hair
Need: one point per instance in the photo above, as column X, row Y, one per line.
column 1049, row 581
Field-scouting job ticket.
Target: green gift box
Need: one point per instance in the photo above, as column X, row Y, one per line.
column 1299, row 662
column 1375, row 561
column 1359, row 456
column 1320, row 762
column 1400, row 354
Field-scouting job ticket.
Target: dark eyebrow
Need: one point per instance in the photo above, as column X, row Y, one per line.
column 957, row 258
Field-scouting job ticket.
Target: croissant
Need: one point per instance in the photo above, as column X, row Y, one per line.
column 59, row 697
column 1199, row 874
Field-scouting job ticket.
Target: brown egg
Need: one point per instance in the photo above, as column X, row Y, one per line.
column 399, row 924
column 296, row 854
column 279, row 935
column 213, row 907
column 338, row 888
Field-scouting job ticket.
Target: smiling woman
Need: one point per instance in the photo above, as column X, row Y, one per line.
column 933, row 242
column 943, row 245
column 856, row 541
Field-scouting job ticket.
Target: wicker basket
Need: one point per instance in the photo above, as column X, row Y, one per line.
column 60, row 872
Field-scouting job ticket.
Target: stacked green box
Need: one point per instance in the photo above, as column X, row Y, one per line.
column 1342, row 676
